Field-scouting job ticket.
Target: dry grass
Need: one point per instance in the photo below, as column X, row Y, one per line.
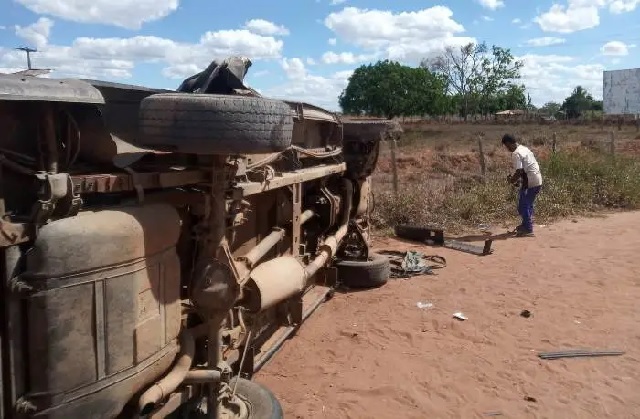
column 440, row 182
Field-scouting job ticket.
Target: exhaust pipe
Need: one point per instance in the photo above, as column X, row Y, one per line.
column 167, row 385
column 278, row 279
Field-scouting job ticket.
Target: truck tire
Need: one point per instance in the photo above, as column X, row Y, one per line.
column 372, row 273
column 259, row 400
column 262, row 402
column 215, row 124
column 418, row 233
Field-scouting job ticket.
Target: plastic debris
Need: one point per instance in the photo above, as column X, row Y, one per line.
column 459, row 316
column 412, row 263
column 422, row 305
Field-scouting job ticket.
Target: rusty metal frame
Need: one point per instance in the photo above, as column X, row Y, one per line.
column 121, row 182
column 289, row 178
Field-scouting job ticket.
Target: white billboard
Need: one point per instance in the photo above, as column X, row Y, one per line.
column 621, row 92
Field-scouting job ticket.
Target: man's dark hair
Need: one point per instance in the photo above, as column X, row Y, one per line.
column 508, row 139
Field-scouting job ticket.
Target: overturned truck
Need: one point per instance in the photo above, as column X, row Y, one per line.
column 159, row 246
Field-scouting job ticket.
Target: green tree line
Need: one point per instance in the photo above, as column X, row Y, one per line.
column 468, row 80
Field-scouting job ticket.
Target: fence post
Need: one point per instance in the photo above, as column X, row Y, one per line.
column 554, row 142
column 483, row 163
column 612, row 143
column 394, row 168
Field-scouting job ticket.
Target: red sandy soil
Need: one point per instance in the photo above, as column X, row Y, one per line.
column 375, row 354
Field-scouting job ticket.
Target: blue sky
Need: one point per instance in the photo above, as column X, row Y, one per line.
column 307, row 49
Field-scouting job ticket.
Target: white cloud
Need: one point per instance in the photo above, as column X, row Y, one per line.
column 129, row 14
column 516, row 21
column 311, row 61
column 405, row 36
column 615, row 48
column 580, row 14
column 331, row 57
column 36, row 34
column 553, row 77
column 576, row 16
column 264, row 27
column 116, row 57
column 545, row 41
column 306, row 87
column 487, row 18
column 623, row 6
column 294, row 68
column 332, row 41
column 337, row 2
column 491, row 4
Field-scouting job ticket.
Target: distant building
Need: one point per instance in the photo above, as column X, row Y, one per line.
column 510, row 114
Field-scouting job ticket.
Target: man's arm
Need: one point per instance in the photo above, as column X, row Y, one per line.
column 516, row 176
column 518, row 169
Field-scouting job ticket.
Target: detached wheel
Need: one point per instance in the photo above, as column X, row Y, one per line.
column 418, row 233
column 215, row 124
column 371, row 273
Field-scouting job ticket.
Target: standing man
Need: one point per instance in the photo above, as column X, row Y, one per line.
column 527, row 171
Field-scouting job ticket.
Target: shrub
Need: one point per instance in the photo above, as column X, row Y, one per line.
column 575, row 182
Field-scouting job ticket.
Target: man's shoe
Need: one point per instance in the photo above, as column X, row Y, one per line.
column 517, row 230
column 524, row 233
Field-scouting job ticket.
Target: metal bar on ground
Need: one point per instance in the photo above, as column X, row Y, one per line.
column 470, row 248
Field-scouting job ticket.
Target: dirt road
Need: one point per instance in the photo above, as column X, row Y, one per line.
column 375, row 354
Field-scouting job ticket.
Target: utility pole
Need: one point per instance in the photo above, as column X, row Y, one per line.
column 28, row 51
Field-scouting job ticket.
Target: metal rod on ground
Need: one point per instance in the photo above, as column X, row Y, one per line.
column 577, row 354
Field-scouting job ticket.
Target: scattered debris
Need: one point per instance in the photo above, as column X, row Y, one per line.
column 531, row 399
column 435, row 236
column 496, row 413
column 470, row 248
column 579, row 353
column 422, row 305
column 577, row 322
column 412, row 263
column 459, row 316
column 525, row 313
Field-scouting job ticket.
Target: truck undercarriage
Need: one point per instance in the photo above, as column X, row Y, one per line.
column 158, row 247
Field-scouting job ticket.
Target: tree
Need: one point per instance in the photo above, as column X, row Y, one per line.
column 461, row 69
column 578, row 102
column 475, row 74
column 499, row 70
column 514, row 98
column 390, row 89
column 551, row 108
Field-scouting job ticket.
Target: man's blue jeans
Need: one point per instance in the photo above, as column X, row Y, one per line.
column 525, row 206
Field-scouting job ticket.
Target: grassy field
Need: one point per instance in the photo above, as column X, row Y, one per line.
column 440, row 179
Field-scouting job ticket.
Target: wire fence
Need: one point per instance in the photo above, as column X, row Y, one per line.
column 392, row 181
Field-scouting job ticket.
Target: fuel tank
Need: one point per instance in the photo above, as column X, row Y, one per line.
column 102, row 312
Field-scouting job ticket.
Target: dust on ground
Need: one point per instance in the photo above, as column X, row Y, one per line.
column 375, row 354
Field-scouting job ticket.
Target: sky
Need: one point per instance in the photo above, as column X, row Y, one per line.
column 307, row 49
